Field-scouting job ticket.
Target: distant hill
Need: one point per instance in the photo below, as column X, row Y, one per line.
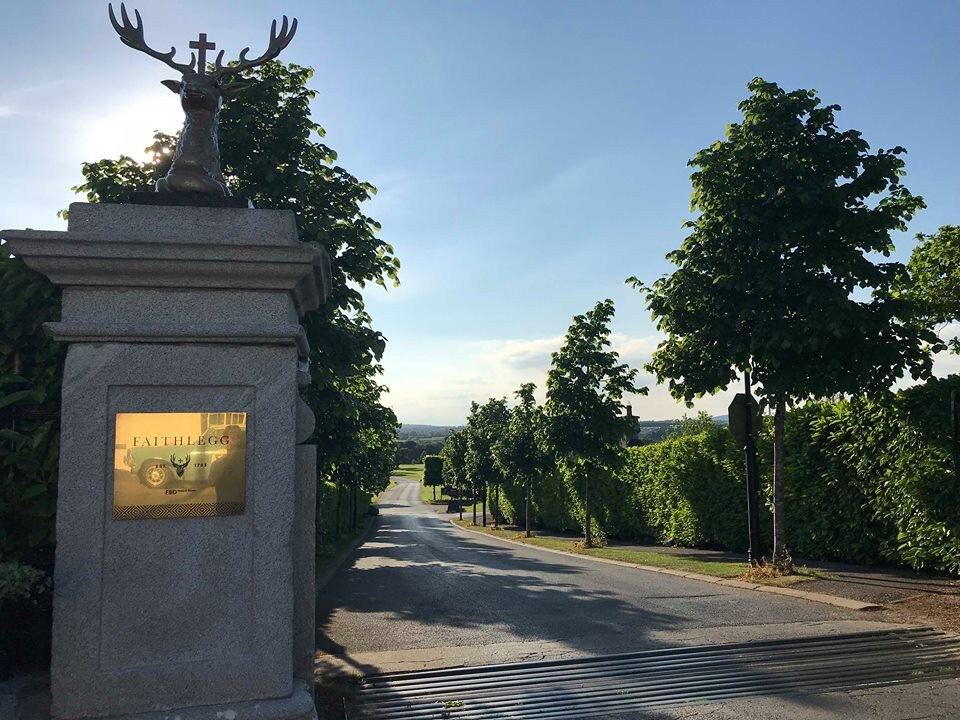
column 650, row 431
column 412, row 431
column 423, row 433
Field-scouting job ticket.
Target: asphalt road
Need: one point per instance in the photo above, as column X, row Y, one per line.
column 422, row 593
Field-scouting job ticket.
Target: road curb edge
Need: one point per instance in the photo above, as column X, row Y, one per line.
column 822, row 598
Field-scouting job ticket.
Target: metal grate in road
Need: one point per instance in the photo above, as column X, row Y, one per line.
column 606, row 685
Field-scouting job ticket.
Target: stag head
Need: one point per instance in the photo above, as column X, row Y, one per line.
column 196, row 161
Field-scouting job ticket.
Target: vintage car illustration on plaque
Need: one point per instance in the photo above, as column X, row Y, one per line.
column 179, row 464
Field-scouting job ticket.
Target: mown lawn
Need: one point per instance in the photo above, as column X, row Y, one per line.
column 426, row 495
column 730, row 570
column 414, row 472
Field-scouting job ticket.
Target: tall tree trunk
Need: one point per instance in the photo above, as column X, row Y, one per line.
column 338, row 520
column 496, row 507
column 753, row 482
column 779, row 531
column 474, row 489
column 323, row 529
column 485, row 493
column 353, row 507
column 527, row 513
column 587, row 529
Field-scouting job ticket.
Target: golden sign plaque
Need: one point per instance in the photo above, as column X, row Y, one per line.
column 175, row 465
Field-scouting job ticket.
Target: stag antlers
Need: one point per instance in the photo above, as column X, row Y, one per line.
column 180, row 465
column 277, row 43
column 132, row 36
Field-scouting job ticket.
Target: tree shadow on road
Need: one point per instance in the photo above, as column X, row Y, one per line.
column 423, row 584
column 468, row 592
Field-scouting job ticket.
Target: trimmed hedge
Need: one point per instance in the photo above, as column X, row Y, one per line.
column 551, row 504
column 30, row 370
column 333, row 510
column 686, row 490
column 867, row 481
column 825, row 513
column 871, row 480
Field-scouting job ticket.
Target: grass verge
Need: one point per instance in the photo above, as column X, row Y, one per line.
column 715, row 568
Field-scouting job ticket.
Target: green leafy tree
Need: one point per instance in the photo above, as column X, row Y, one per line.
column 361, row 456
column 30, row 372
column 774, row 278
column 433, row 472
column 272, row 152
column 519, row 451
column 583, row 426
column 31, row 367
column 485, row 425
column 933, row 280
column 454, row 461
column 454, row 455
column 703, row 422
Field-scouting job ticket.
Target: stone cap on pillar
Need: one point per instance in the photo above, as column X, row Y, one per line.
column 204, row 248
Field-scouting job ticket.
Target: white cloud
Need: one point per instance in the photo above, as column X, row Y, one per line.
column 395, row 191
column 947, row 363
column 477, row 370
column 30, row 99
column 521, row 355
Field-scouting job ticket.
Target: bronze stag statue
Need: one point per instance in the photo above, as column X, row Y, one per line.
column 196, row 160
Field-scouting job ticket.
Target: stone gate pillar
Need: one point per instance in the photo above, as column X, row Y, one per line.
column 185, row 517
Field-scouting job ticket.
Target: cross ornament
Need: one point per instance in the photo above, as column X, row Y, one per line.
column 201, row 45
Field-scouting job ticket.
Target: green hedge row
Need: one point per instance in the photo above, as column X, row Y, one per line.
column 333, row 510
column 873, row 481
column 867, row 481
column 687, row 490
column 551, row 505
column 667, row 493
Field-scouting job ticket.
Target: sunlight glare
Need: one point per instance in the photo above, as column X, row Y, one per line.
column 128, row 128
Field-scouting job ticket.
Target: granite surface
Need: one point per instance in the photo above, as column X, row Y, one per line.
column 168, row 613
column 204, row 616
column 143, row 246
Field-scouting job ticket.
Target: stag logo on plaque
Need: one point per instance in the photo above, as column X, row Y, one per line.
column 174, row 465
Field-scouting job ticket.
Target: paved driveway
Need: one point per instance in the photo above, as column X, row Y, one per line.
column 424, row 594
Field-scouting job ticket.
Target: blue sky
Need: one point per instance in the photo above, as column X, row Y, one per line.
column 529, row 155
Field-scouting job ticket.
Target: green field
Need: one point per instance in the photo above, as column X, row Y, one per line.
column 414, row 472
column 426, row 495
